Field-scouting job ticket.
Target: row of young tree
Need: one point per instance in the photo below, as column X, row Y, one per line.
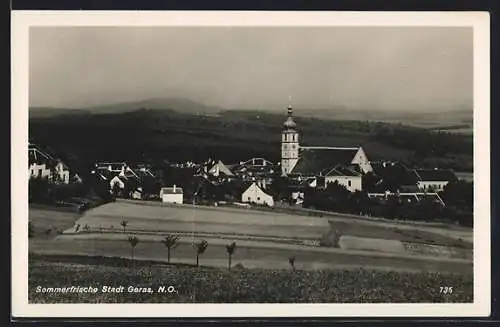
column 171, row 242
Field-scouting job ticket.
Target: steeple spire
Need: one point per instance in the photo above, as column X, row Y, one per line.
column 290, row 112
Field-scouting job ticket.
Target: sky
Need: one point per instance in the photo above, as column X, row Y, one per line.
column 387, row 68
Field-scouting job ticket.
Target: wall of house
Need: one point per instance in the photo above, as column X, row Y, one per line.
column 255, row 195
column 172, row 198
column 63, row 174
column 40, row 171
column 432, row 185
column 352, row 183
column 114, row 181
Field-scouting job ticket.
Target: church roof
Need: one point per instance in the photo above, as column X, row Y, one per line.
column 321, row 160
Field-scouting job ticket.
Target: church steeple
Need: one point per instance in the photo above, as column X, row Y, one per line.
column 289, row 144
column 290, row 123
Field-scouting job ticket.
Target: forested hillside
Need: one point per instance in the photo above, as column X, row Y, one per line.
column 233, row 136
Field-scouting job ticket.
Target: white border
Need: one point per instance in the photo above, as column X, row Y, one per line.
column 22, row 20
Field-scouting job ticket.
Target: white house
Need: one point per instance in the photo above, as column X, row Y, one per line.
column 434, row 180
column 220, row 169
column 172, row 195
column 43, row 165
column 116, row 180
column 349, row 178
column 39, row 170
column 254, row 194
column 62, row 172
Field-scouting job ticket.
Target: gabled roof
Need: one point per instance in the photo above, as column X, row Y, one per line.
column 435, row 175
column 397, row 173
column 321, row 160
column 39, row 157
column 171, row 190
column 221, row 169
column 341, row 170
column 114, row 165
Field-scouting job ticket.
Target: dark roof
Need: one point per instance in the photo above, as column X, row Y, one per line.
column 170, row 190
column 320, row 160
column 398, row 174
column 341, row 170
column 438, row 175
column 105, row 173
column 39, row 157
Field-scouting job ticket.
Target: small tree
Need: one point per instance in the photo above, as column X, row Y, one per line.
column 124, row 224
column 336, row 238
column 133, row 241
column 230, row 251
column 291, row 261
column 170, row 242
column 200, row 248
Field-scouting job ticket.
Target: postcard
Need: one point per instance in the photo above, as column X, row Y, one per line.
column 250, row 164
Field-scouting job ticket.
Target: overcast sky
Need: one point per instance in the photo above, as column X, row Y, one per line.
column 392, row 68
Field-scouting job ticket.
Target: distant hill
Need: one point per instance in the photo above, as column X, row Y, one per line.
column 182, row 105
column 41, row 112
column 425, row 118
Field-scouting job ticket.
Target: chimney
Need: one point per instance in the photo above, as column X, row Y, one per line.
column 175, row 188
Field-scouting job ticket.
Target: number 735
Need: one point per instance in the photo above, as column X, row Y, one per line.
column 446, row 290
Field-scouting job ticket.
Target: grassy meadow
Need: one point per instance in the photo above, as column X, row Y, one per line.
column 240, row 285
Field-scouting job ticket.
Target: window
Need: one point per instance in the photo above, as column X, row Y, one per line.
column 39, row 173
column 248, row 198
column 349, row 183
column 258, row 198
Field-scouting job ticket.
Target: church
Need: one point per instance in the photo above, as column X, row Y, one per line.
column 317, row 165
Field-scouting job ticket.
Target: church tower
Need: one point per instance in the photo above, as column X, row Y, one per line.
column 289, row 144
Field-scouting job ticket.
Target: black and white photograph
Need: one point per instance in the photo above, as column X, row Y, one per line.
column 302, row 160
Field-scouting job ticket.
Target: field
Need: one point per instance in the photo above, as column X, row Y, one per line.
column 264, row 239
column 211, row 285
column 151, row 217
column 392, row 261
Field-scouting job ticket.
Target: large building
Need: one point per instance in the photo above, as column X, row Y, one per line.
column 43, row 165
column 344, row 165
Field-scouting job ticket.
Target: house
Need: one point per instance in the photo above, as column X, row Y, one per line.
column 172, row 195
column 298, row 197
column 345, row 176
column 297, row 159
column 257, row 170
column 434, row 179
column 137, row 194
column 411, row 197
column 220, row 170
column 394, row 177
column 125, row 186
column 43, row 165
column 254, row 194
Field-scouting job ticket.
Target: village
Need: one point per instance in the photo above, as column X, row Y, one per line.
column 338, row 179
